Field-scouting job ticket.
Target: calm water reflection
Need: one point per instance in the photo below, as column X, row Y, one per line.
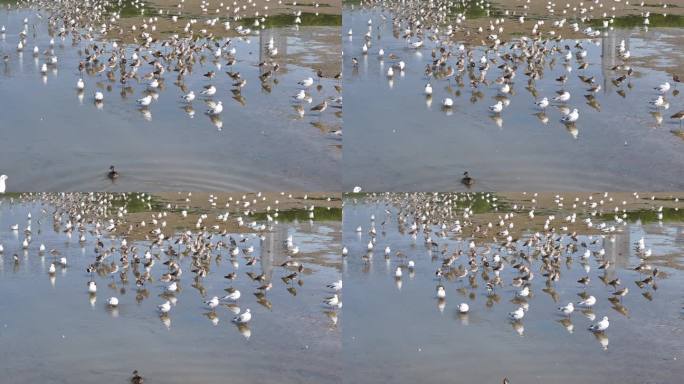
column 416, row 337
column 52, row 330
column 408, row 141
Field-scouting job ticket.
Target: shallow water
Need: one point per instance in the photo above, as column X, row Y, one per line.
column 410, row 340
column 52, row 331
column 402, row 143
column 55, row 142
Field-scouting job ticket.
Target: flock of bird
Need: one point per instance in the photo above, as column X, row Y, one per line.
column 491, row 54
column 140, row 59
column 158, row 258
column 518, row 253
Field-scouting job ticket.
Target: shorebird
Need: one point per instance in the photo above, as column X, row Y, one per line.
column 543, row 103
column 188, row 97
column 567, row 309
column 336, row 286
column 600, row 326
column 3, row 184
column 518, row 314
column 145, row 101
column 497, row 108
column 243, row 318
column 164, row 307
column 215, row 108
column 571, row 117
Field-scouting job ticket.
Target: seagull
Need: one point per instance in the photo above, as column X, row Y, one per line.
column 496, row 108
column 3, row 185
column 173, row 287
column 243, row 318
column 232, row 295
column 190, row 96
column 600, row 326
column 571, row 117
column 567, row 309
column 588, row 302
column 92, row 287
column 214, row 108
column 517, row 314
column 428, row 89
column 213, row 302
column 543, row 103
column 99, row 96
column 563, row 96
column 306, row 82
column 145, row 101
column 209, row 90
column 165, row 307
column 337, row 286
column 80, row 85
column 448, row 102
column 663, row 88
column 463, row 308
column 441, row 292
column 113, row 302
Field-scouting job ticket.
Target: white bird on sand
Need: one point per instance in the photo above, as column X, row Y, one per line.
column 113, row 302
column 463, row 308
column 243, row 318
column 517, row 314
column 567, row 309
column 600, row 326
